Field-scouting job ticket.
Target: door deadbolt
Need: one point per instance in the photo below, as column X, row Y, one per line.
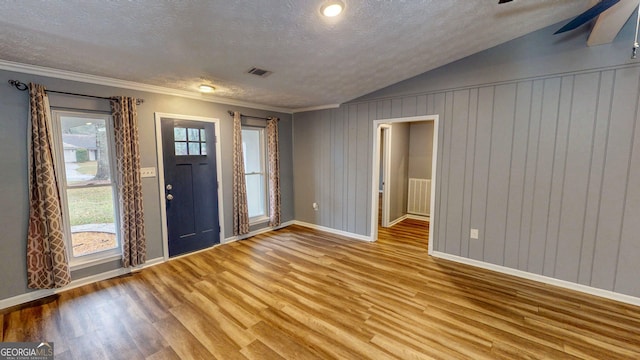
column 169, row 187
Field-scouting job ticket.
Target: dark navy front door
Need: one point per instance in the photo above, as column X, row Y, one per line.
column 191, row 193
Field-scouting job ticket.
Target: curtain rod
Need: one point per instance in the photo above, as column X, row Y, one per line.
column 252, row 117
column 23, row 87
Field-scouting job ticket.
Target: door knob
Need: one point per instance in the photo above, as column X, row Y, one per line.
column 169, row 187
column 169, row 197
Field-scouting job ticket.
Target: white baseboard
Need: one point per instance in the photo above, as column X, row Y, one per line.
column 39, row 294
column 418, row 217
column 628, row 299
column 257, row 232
column 335, row 231
column 400, row 219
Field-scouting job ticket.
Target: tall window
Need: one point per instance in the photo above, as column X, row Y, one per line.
column 253, row 148
column 84, row 148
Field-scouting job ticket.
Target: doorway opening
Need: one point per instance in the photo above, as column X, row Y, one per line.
column 399, row 194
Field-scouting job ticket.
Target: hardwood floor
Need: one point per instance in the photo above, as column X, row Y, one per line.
column 303, row 294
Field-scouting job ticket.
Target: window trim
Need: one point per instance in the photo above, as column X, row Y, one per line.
column 100, row 257
column 265, row 172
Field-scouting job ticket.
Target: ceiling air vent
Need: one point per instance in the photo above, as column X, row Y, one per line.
column 259, row 72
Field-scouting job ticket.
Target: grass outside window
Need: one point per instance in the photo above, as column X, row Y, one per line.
column 92, row 205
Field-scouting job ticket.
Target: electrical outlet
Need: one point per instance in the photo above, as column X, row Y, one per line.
column 315, row 206
column 474, row 234
column 148, row 172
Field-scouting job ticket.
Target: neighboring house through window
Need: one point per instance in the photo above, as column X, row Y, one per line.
column 253, row 148
column 85, row 169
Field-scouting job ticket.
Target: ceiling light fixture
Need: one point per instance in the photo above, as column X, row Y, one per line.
column 206, row 88
column 332, row 8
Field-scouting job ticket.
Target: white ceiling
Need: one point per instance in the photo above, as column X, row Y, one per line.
column 315, row 61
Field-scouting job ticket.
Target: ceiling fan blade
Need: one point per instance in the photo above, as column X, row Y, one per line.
column 583, row 18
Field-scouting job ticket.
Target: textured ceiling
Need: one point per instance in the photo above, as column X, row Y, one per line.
column 315, row 61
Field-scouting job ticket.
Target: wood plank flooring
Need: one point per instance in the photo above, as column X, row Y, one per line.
column 297, row 293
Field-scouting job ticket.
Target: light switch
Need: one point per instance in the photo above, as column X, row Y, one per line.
column 474, row 234
column 148, row 172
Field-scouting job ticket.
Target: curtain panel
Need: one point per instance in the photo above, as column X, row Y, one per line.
column 273, row 154
column 125, row 121
column 240, row 208
column 47, row 262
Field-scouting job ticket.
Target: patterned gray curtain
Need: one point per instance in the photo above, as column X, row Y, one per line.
column 125, row 122
column 47, row 263
column 240, row 209
column 274, row 171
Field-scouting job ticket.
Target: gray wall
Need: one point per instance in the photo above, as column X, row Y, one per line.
column 538, row 148
column 398, row 170
column 13, row 162
column 420, row 149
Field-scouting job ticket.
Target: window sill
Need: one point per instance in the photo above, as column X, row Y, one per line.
column 258, row 220
column 86, row 263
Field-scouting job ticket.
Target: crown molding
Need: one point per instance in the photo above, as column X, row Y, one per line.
column 314, row 108
column 125, row 84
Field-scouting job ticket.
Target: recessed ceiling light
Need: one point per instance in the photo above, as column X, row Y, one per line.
column 206, row 88
column 332, row 8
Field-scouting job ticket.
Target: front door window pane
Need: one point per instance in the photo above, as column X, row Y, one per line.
column 181, row 148
column 194, row 135
column 194, row 148
column 180, row 134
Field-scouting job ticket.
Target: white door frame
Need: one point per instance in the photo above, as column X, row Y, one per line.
column 375, row 173
column 163, row 204
column 385, row 130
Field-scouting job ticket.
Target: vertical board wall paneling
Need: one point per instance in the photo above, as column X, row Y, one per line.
column 372, row 116
column 576, row 176
column 517, row 164
column 480, row 170
column 557, row 174
column 316, row 143
column 443, row 214
column 596, row 174
column 362, row 178
column 543, row 174
column 326, row 172
column 531, row 167
column 470, row 142
column 626, row 280
column 302, row 180
column 455, row 185
column 338, row 168
column 396, row 108
column 618, row 151
column 344, row 111
column 421, row 105
column 499, row 173
column 352, row 141
column 409, row 106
